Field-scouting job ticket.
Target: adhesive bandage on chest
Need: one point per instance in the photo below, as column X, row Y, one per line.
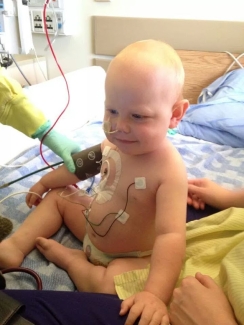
column 122, row 216
column 140, row 183
column 110, row 174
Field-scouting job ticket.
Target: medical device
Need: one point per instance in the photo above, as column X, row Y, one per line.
column 15, row 28
column 88, row 162
column 107, row 127
column 20, row 18
column 59, row 17
column 32, row 173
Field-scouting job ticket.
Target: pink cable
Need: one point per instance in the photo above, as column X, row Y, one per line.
column 61, row 71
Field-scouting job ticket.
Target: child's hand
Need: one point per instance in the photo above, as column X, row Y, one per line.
column 204, row 191
column 194, row 193
column 34, row 199
column 147, row 306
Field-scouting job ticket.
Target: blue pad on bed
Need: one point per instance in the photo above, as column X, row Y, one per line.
column 219, row 115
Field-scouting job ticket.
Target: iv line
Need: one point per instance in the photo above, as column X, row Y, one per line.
column 27, row 175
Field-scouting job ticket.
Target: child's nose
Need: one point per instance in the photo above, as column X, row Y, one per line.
column 122, row 125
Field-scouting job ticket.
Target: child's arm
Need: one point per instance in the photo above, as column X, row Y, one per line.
column 168, row 253
column 87, row 163
column 59, row 177
column 169, row 247
column 201, row 191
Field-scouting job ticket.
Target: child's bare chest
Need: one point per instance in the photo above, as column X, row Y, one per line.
column 123, row 175
column 124, row 207
column 125, row 197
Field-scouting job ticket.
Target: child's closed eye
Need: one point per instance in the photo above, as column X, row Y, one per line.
column 137, row 116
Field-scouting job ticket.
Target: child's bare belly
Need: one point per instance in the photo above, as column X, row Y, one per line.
column 111, row 235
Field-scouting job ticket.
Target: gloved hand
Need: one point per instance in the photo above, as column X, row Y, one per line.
column 16, row 109
column 62, row 146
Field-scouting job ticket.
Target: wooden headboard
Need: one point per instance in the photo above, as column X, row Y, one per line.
column 200, row 44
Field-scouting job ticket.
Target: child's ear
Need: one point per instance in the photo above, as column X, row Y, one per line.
column 178, row 112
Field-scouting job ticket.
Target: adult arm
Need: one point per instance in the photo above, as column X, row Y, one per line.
column 203, row 190
column 17, row 111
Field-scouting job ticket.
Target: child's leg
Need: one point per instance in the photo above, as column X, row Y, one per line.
column 43, row 221
column 86, row 276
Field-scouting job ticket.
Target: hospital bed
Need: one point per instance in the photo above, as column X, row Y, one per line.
column 204, row 61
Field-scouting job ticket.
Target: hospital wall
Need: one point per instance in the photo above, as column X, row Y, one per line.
column 74, row 52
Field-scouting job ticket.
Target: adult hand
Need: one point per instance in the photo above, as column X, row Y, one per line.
column 203, row 190
column 63, row 147
column 147, row 306
column 199, row 301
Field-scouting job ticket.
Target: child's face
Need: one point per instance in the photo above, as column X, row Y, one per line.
column 138, row 109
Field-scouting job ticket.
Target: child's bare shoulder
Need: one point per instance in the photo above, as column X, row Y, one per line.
column 171, row 167
column 169, row 155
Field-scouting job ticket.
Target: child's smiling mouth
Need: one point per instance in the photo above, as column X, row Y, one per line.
column 125, row 141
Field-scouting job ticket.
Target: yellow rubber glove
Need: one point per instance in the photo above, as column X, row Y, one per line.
column 18, row 111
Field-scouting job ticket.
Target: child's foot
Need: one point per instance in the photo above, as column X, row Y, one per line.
column 58, row 254
column 10, row 254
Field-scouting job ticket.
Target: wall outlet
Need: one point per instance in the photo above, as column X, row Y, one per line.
column 55, row 21
column 37, row 21
column 38, row 24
